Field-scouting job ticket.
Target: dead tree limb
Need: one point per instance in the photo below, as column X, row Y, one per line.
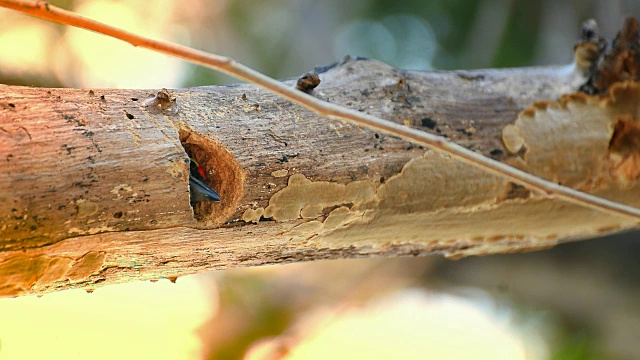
column 94, row 183
column 44, row 10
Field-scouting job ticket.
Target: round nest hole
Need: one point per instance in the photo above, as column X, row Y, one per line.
column 223, row 173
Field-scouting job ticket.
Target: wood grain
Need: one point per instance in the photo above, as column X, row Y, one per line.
column 94, row 182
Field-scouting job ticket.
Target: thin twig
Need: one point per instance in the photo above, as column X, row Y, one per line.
column 46, row 11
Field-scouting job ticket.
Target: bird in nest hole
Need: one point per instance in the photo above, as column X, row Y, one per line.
column 200, row 191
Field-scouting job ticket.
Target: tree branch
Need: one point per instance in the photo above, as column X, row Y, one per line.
column 94, row 183
column 229, row 66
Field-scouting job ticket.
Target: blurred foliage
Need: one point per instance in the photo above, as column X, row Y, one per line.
column 285, row 38
column 518, row 42
column 259, row 312
column 289, row 37
column 577, row 344
column 450, row 20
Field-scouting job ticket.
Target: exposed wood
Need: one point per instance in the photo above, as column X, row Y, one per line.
column 93, row 183
column 300, row 95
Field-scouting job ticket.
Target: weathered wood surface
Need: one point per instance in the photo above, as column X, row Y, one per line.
column 94, row 183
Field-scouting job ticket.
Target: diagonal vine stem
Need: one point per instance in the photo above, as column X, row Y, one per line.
column 44, row 10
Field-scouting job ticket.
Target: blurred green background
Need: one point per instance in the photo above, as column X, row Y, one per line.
column 284, row 38
column 577, row 301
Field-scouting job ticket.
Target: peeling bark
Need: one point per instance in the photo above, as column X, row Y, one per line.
column 94, row 183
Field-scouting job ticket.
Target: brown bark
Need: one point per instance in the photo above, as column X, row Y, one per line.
column 94, row 183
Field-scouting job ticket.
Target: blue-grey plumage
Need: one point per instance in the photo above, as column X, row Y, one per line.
column 200, row 191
